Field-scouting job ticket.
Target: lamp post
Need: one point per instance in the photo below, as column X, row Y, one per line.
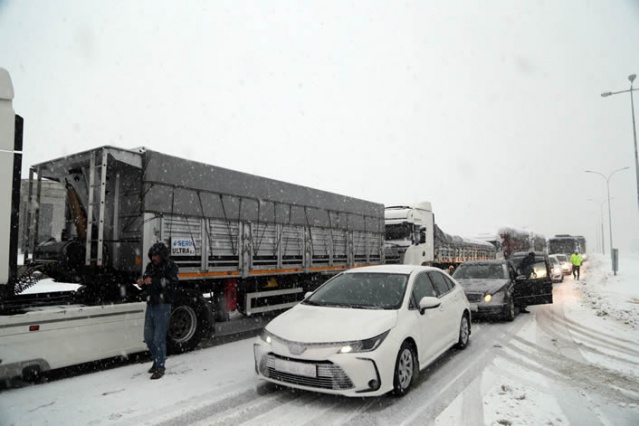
column 603, row 242
column 631, row 77
column 607, row 179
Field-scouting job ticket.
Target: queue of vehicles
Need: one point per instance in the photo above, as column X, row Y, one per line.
column 370, row 331
column 243, row 244
column 380, row 326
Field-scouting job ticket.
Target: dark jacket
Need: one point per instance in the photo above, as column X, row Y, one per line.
column 164, row 277
column 526, row 265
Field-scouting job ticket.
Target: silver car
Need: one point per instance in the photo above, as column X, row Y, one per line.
column 556, row 270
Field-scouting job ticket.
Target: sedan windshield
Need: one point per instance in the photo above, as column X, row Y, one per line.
column 481, row 271
column 362, row 290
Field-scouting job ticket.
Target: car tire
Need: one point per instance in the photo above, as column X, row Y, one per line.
column 562, row 278
column 405, row 369
column 464, row 333
column 510, row 311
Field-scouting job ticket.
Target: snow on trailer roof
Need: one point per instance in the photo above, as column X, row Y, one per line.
column 56, row 169
column 196, row 176
column 518, row 231
column 457, row 240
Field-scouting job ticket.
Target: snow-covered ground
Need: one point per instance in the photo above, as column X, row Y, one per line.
column 575, row 362
column 603, row 304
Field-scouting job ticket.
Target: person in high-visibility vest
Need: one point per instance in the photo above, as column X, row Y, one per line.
column 576, row 260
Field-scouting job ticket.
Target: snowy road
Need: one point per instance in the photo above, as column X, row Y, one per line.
column 561, row 364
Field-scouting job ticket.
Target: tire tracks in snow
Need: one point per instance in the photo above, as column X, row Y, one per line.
column 566, row 331
column 558, row 356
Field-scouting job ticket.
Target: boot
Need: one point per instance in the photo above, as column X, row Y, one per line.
column 157, row 374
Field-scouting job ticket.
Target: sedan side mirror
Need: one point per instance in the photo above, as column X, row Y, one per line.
column 428, row 303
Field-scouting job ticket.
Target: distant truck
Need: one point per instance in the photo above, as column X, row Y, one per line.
column 567, row 244
column 513, row 240
column 413, row 237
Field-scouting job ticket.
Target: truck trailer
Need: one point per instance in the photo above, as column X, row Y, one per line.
column 243, row 243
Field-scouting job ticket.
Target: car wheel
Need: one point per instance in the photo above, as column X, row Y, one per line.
column 405, row 370
column 464, row 333
column 562, row 278
column 510, row 311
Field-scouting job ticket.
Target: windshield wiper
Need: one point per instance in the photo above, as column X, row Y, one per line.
column 371, row 307
column 313, row 303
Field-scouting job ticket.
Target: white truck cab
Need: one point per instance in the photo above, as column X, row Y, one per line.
column 409, row 237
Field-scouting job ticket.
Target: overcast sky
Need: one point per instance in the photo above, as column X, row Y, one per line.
column 489, row 109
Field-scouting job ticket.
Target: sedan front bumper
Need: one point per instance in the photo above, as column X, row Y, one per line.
column 492, row 310
column 348, row 374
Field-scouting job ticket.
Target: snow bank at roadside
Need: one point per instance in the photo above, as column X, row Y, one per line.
column 612, row 296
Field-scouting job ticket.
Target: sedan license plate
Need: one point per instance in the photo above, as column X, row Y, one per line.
column 473, row 307
column 297, row 368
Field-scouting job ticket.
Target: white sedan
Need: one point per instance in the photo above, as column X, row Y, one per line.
column 365, row 332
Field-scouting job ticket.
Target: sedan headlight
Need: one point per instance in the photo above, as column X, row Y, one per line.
column 494, row 298
column 267, row 336
column 366, row 345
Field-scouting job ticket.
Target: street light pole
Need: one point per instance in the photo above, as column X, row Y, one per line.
column 603, row 241
column 607, row 179
column 631, row 77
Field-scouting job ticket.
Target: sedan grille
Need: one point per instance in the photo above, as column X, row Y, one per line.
column 329, row 375
column 474, row 297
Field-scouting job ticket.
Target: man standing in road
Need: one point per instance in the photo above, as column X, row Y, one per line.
column 159, row 282
column 576, row 260
column 527, row 268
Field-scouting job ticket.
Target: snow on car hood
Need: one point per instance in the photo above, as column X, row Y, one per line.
column 480, row 285
column 321, row 324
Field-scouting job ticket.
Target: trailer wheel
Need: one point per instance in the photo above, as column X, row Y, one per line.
column 189, row 323
column 31, row 374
